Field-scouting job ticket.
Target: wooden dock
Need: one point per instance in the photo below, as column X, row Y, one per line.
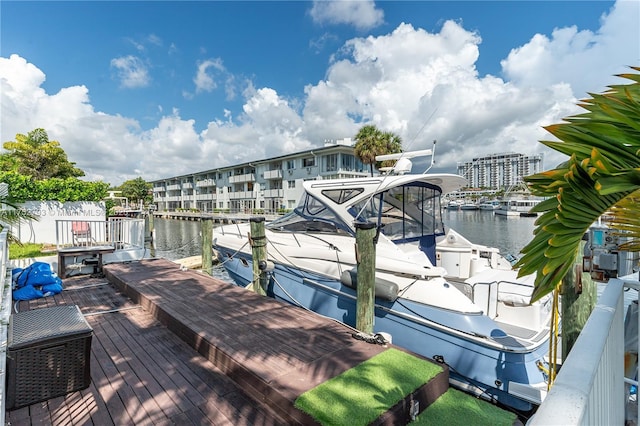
column 217, row 218
column 178, row 347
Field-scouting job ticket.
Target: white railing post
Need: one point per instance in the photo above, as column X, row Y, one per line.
column 5, row 313
column 589, row 389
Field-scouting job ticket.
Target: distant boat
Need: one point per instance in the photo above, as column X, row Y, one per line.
column 453, row 205
column 518, row 207
column 489, row 205
column 469, row 206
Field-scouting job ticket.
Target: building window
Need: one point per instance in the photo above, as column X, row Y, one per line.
column 331, row 163
column 351, row 163
column 291, row 184
column 309, row 162
column 291, row 164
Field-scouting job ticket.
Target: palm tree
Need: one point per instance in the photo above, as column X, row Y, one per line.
column 371, row 142
column 602, row 175
column 12, row 214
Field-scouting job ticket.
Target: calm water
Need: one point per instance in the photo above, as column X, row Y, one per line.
column 509, row 234
column 175, row 239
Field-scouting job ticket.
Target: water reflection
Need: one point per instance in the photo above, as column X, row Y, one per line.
column 509, row 234
column 177, row 239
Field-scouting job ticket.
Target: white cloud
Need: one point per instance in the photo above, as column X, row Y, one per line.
column 580, row 57
column 154, row 39
column 318, row 44
column 131, row 71
column 204, row 79
column 362, row 14
column 422, row 85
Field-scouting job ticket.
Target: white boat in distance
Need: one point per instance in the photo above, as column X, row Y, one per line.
column 489, row 205
column 453, row 205
column 518, row 207
column 469, row 206
column 437, row 293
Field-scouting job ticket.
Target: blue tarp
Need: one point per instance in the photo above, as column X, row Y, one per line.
column 35, row 281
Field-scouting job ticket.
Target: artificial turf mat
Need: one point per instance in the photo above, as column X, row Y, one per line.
column 456, row 408
column 363, row 393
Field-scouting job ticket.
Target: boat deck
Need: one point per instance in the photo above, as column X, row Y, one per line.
column 178, row 347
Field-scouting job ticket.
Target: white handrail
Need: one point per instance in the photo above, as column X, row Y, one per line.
column 589, row 389
column 5, row 313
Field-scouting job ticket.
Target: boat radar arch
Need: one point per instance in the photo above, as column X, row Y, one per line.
column 403, row 161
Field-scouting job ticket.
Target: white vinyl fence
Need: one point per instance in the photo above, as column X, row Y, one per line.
column 589, row 389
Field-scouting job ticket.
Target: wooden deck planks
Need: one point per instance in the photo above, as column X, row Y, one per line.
column 274, row 351
column 183, row 348
column 141, row 372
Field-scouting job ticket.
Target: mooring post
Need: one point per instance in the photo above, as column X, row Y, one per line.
column 366, row 266
column 259, row 254
column 151, row 225
column 206, row 227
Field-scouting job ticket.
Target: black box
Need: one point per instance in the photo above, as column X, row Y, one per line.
column 48, row 354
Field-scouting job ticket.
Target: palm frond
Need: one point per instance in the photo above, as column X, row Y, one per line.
column 602, row 175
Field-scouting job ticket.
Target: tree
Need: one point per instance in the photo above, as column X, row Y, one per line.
column 136, row 190
column 371, row 142
column 601, row 175
column 36, row 156
column 24, row 188
column 12, row 214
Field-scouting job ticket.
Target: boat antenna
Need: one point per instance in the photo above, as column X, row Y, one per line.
column 402, row 155
column 433, row 157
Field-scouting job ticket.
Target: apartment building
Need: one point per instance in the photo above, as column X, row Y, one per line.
column 499, row 171
column 272, row 184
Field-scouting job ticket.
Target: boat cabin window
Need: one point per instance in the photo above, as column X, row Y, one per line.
column 310, row 216
column 340, row 196
column 406, row 212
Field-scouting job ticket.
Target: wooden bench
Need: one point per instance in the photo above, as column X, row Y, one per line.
column 93, row 251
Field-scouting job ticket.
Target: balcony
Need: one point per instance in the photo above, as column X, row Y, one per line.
column 241, row 195
column 174, row 187
column 273, row 193
column 273, row 174
column 249, row 177
column 206, row 197
column 205, row 183
column 187, row 185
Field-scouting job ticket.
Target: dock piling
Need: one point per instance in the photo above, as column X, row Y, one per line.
column 259, row 254
column 206, row 226
column 366, row 265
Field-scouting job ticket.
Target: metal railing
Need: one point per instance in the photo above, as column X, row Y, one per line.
column 118, row 233
column 589, row 389
column 5, row 313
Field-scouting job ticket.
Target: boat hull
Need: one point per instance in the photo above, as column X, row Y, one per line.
column 476, row 361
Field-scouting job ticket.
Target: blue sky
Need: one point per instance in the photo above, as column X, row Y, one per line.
column 155, row 89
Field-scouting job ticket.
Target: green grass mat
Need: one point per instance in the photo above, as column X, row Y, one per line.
column 361, row 394
column 456, row 408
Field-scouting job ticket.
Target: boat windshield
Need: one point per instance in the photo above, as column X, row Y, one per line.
column 310, row 216
column 405, row 213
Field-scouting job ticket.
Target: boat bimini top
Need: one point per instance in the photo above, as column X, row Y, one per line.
column 404, row 207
